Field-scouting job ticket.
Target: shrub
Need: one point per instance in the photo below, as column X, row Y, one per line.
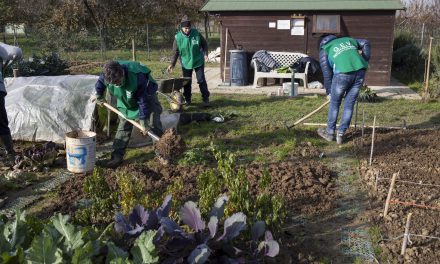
column 367, row 95
column 408, row 57
column 403, row 38
column 44, row 65
column 229, row 176
column 101, row 203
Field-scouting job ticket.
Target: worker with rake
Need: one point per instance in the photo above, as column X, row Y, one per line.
column 135, row 89
column 8, row 54
column 344, row 61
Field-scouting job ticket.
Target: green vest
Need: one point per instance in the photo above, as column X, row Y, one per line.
column 343, row 52
column 127, row 103
column 190, row 49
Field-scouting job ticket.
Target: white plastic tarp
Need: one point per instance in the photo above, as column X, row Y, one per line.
column 44, row 108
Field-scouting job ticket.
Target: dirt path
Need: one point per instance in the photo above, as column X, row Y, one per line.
column 340, row 235
column 20, row 199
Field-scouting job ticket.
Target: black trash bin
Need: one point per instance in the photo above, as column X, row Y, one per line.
column 238, row 68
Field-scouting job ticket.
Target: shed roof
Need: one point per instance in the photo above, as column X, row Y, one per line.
column 300, row 5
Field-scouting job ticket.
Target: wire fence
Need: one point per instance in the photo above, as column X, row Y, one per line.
column 149, row 36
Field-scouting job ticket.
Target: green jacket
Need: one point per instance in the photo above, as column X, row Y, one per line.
column 127, row 102
column 343, row 54
column 190, row 49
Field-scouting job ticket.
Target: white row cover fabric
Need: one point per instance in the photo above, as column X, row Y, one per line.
column 45, row 108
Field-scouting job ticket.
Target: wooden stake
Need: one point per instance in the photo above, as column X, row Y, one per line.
column 372, row 140
column 133, row 49
column 356, row 115
column 363, row 122
column 426, row 95
column 390, row 191
column 406, row 235
column 226, row 52
column 16, row 73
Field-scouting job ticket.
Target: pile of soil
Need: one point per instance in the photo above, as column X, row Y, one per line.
column 415, row 154
column 170, row 145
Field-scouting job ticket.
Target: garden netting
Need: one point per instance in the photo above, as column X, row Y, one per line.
column 44, row 108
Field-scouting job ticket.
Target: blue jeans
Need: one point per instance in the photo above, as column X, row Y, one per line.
column 347, row 84
column 201, row 80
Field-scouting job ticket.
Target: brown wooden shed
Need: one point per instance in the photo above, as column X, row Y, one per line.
column 296, row 26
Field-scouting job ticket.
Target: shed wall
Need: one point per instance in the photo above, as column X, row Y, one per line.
column 251, row 31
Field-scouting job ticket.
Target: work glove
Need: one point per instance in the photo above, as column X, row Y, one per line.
column 146, row 127
column 99, row 99
column 170, row 68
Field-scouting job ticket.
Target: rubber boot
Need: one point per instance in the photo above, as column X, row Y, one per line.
column 115, row 161
column 9, row 150
column 9, row 145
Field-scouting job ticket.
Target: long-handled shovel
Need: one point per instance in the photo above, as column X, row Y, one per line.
column 306, row 116
column 136, row 124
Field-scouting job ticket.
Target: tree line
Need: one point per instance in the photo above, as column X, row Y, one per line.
column 72, row 21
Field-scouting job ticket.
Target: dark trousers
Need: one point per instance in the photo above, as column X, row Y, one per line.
column 4, row 128
column 122, row 137
column 200, row 74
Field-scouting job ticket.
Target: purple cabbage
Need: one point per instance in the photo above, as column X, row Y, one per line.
column 140, row 219
column 190, row 216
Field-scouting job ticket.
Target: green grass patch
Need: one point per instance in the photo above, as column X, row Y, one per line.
column 376, row 237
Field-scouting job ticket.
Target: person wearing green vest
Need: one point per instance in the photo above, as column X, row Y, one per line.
column 343, row 61
column 192, row 50
column 135, row 90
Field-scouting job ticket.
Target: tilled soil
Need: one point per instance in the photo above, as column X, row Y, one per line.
column 307, row 186
column 303, row 181
column 415, row 155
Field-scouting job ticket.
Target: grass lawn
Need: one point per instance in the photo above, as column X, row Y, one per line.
column 255, row 127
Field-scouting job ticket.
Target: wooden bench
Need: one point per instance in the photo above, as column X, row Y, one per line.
column 282, row 59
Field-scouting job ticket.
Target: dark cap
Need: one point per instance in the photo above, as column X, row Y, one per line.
column 185, row 22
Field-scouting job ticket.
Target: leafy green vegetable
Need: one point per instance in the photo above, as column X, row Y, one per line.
column 44, row 250
column 144, row 250
column 72, row 237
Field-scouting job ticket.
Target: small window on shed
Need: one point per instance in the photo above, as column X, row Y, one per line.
column 326, row 24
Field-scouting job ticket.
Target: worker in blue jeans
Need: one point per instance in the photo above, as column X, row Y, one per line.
column 344, row 61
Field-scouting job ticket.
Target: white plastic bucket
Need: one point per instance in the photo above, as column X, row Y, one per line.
column 287, row 88
column 80, row 151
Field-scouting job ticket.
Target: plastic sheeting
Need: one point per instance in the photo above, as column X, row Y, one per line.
column 45, row 108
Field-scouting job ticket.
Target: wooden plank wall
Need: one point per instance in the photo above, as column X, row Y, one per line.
column 250, row 31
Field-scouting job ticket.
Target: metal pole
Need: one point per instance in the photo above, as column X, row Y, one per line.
column 423, row 31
